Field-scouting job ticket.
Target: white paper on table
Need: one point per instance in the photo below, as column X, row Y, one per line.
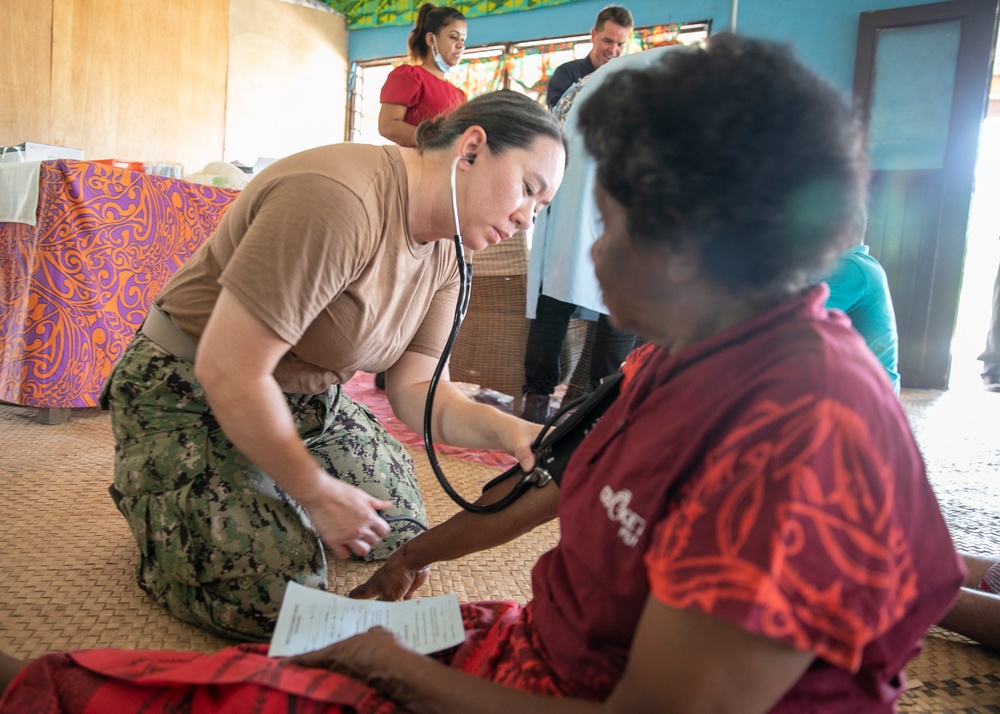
column 311, row 619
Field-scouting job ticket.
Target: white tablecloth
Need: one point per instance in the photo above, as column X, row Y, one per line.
column 19, row 192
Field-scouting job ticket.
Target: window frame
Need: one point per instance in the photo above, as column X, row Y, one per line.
column 686, row 33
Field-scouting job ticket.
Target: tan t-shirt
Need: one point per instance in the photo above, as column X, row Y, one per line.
column 318, row 248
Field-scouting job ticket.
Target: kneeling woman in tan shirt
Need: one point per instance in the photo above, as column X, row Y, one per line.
column 237, row 455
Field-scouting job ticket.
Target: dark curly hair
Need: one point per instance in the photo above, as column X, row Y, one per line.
column 430, row 18
column 738, row 149
column 510, row 120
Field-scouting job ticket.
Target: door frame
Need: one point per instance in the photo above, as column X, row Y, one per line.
column 928, row 353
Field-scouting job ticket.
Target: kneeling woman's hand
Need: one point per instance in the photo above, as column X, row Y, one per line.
column 345, row 517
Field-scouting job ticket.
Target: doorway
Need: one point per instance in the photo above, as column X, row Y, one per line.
column 981, row 260
column 923, row 159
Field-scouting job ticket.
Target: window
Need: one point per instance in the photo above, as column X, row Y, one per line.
column 523, row 67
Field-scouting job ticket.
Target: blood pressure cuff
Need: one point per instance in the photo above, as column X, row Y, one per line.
column 555, row 446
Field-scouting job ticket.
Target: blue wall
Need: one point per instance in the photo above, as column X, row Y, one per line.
column 823, row 32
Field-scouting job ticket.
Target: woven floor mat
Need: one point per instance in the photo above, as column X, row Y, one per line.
column 951, row 675
column 67, row 558
column 67, row 563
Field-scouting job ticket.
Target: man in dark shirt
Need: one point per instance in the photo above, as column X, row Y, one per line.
column 548, row 328
column 611, row 30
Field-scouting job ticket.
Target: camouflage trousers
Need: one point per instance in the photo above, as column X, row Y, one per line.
column 217, row 538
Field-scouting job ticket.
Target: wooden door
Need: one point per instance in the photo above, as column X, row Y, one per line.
column 922, row 76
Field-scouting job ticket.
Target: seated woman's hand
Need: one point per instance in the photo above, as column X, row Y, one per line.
column 395, row 580
column 345, row 517
column 367, row 657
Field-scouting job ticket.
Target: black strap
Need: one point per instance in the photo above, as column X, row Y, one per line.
column 554, row 446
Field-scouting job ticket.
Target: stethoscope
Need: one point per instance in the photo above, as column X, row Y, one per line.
column 536, row 477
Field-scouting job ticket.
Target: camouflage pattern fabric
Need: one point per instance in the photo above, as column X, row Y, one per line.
column 217, row 538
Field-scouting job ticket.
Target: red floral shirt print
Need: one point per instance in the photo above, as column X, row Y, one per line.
column 786, row 534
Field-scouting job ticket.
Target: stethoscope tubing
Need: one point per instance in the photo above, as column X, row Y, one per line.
column 461, row 308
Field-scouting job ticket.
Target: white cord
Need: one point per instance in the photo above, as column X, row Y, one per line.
column 454, row 207
column 454, row 194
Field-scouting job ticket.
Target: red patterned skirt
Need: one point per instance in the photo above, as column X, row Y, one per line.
column 499, row 645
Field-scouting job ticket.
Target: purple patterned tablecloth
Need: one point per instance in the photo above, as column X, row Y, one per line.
column 74, row 288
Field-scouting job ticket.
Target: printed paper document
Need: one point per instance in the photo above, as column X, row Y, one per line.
column 312, row 619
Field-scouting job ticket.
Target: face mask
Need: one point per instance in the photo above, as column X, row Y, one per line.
column 439, row 60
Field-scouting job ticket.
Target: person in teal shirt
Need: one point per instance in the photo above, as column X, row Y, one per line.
column 859, row 288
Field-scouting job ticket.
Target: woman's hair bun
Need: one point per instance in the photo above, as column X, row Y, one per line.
column 428, row 130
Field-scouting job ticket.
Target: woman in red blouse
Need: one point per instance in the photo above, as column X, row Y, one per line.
column 419, row 91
